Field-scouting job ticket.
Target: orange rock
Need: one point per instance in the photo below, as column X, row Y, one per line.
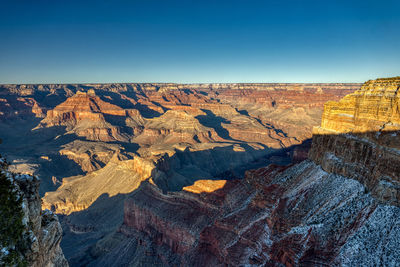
column 205, row 186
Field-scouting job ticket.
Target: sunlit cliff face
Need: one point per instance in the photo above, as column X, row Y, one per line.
column 373, row 108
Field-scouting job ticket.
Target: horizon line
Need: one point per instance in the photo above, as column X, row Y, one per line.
column 178, row 83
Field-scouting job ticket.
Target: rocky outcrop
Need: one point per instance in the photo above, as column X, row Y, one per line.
column 34, row 237
column 169, row 223
column 358, row 138
column 90, row 156
column 82, row 106
column 119, row 176
column 85, row 114
column 176, row 127
column 338, row 209
column 375, row 107
column 276, row 216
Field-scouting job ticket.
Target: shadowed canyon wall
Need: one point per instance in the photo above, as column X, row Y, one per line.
column 338, row 208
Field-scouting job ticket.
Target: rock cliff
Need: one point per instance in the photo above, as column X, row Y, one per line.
column 338, row 208
column 359, row 138
column 29, row 235
column 296, row 216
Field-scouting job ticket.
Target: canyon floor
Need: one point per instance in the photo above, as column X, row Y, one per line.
column 154, row 174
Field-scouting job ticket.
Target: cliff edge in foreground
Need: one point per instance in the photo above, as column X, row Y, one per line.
column 29, row 236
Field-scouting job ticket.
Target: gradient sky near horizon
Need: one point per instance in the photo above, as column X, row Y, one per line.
column 198, row 41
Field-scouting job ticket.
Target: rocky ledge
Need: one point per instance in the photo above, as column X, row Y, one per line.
column 31, row 237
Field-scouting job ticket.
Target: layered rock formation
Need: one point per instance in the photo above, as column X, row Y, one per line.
column 375, row 107
column 85, row 114
column 338, row 209
column 117, row 177
column 192, row 120
column 99, row 142
column 359, row 138
column 276, row 216
column 90, row 156
column 31, row 236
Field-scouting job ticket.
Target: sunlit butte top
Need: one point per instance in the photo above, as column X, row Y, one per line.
column 205, row 186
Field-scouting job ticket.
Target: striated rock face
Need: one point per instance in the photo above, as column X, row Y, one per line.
column 162, row 224
column 338, row 208
column 85, row 114
column 276, row 216
column 80, row 107
column 359, row 138
column 375, row 107
column 82, row 104
column 39, row 243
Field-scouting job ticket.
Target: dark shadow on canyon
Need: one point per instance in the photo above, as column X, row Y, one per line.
column 83, row 229
column 128, row 100
column 39, row 147
column 212, row 121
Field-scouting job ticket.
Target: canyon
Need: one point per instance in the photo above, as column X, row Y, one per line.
column 213, row 174
column 338, row 208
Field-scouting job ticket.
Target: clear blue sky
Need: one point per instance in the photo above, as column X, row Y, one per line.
column 198, row 41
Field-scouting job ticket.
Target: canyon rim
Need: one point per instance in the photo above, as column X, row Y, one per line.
column 200, row 133
column 210, row 174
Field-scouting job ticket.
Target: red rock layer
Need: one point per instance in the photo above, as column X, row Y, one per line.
column 82, row 106
column 303, row 215
column 85, row 114
column 276, row 216
column 296, row 96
